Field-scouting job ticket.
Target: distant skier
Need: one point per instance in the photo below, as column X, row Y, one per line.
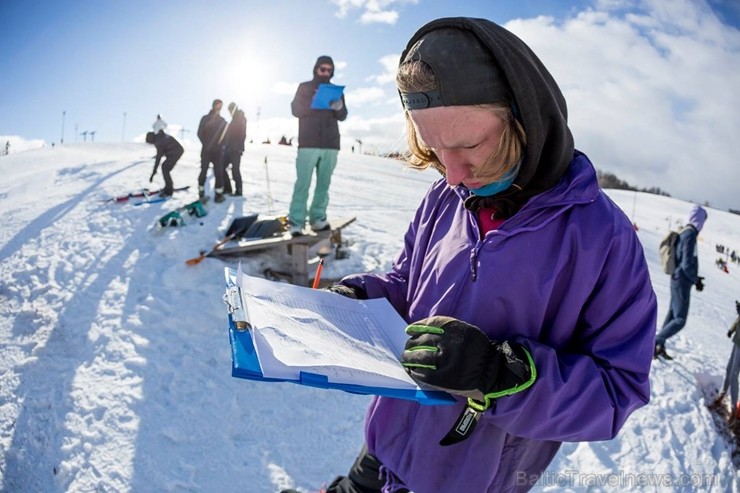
column 685, row 276
column 159, row 124
column 171, row 149
column 233, row 149
column 211, row 132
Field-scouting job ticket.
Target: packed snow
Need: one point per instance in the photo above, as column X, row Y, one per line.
column 115, row 366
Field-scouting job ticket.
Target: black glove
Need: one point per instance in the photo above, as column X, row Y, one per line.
column 737, row 307
column 154, row 172
column 349, row 292
column 699, row 284
column 454, row 356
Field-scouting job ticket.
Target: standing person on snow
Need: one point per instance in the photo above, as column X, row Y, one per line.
column 159, row 124
column 318, row 146
column 732, row 372
column 211, row 132
column 525, row 287
column 685, row 276
column 172, row 151
column 233, row 149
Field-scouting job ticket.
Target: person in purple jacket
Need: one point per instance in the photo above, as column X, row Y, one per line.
column 525, row 287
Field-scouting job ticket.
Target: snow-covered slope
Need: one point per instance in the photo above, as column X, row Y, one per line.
column 114, row 355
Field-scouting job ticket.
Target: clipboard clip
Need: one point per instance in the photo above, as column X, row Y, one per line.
column 233, row 300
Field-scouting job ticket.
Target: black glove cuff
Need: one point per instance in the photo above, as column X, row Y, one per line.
column 515, row 372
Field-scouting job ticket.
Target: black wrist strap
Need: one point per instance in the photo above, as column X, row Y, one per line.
column 463, row 427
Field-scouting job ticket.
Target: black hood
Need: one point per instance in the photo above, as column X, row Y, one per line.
column 538, row 105
column 323, row 60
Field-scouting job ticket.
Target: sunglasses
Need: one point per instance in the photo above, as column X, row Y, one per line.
column 324, row 70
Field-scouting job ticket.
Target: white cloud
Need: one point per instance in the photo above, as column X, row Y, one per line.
column 285, row 88
column 651, row 95
column 373, row 11
column 365, row 95
column 384, row 17
column 346, row 5
column 389, row 64
column 650, row 90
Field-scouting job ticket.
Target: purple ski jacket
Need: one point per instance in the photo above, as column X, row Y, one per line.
column 566, row 277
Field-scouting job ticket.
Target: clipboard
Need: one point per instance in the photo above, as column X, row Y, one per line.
column 325, row 94
column 245, row 362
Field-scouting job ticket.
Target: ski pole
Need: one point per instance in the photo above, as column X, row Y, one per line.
column 269, row 193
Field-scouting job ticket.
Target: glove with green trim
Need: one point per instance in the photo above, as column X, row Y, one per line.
column 447, row 354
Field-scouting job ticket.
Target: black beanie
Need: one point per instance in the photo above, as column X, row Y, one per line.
column 466, row 71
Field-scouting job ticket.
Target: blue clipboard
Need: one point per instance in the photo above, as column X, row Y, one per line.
column 245, row 364
column 325, row 94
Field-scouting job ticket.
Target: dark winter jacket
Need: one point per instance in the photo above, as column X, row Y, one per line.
column 210, row 130
column 236, row 133
column 687, row 258
column 166, row 146
column 316, row 128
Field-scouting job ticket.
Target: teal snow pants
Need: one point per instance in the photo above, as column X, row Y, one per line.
column 323, row 161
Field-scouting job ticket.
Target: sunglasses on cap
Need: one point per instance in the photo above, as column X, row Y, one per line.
column 324, row 69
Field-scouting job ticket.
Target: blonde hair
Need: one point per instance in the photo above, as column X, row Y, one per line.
column 417, row 76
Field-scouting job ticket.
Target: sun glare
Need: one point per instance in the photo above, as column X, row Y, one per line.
column 247, row 80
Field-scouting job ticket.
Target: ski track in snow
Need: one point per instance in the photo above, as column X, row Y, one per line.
column 115, row 367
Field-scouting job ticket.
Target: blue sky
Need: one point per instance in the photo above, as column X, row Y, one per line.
column 635, row 73
column 96, row 60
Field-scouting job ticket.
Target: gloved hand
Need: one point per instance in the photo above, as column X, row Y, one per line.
column 354, row 293
column 700, row 284
column 737, row 307
column 454, row 356
column 154, row 172
column 336, row 104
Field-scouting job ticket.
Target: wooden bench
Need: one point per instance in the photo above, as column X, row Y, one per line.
column 298, row 246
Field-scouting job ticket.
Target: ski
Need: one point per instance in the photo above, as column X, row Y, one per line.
column 156, row 200
column 143, row 193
